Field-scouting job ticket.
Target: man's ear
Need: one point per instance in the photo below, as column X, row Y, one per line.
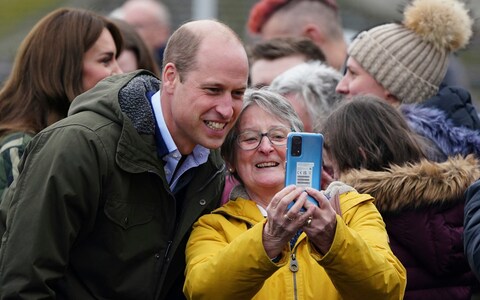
column 170, row 78
column 312, row 32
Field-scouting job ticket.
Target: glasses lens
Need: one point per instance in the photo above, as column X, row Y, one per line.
column 248, row 140
column 278, row 136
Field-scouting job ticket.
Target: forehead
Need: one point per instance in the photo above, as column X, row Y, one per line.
column 104, row 43
column 221, row 58
column 256, row 118
column 353, row 64
column 263, row 71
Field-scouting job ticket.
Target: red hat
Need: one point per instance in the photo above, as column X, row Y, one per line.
column 262, row 10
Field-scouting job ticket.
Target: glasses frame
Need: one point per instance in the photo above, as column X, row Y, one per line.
column 261, row 135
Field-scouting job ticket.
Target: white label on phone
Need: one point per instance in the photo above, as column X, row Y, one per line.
column 304, row 174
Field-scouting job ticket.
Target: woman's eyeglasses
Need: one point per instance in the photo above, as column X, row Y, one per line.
column 250, row 139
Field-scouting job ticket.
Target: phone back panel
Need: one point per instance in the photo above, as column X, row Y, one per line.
column 304, row 167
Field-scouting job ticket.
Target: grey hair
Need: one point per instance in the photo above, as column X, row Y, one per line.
column 273, row 103
column 269, row 101
column 314, row 83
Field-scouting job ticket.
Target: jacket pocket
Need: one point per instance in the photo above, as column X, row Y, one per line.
column 127, row 215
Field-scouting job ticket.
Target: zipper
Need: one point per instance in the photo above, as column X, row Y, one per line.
column 294, row 269
column 167, row 250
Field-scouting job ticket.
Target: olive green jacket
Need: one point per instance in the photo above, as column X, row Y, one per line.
column 91, row 215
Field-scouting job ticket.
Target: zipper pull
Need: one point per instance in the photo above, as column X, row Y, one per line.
column 293, row 264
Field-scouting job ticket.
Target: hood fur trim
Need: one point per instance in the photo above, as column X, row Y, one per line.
column 416, row 185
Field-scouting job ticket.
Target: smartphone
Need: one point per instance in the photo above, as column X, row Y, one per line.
column 304, row 161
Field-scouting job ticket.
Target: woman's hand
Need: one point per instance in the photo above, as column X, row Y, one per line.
column 321, row 229
column 282, row 223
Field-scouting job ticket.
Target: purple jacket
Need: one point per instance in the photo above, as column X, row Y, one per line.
column 422, row 206
column 434, row 125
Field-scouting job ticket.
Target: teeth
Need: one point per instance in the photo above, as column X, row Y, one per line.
column 215, row 125
column 266, row 165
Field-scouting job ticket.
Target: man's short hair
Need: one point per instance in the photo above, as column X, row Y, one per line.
column 283, row 47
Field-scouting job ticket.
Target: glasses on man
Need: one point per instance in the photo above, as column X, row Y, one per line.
column 250, row 139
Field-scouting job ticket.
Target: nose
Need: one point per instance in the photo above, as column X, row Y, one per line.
column 116, row 68
column 225, row 107
column 265, row 144
column 342, row 86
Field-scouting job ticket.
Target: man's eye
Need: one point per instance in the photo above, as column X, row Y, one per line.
column 213, row 90
column 238, row 94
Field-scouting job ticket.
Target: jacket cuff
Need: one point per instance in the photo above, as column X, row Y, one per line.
column 329, row 256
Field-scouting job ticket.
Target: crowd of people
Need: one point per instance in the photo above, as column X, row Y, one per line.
column 141, row 163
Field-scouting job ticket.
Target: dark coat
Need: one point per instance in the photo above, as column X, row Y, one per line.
column 422, row 206
column 91, row 215
column 472, row 227
column 456, row 103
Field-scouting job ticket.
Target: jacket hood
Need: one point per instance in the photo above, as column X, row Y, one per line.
column 120, row 96
column 433, row 124
column 456, row 103
column 416, row 185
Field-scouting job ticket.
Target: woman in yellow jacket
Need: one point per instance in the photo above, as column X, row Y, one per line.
column 254, row 247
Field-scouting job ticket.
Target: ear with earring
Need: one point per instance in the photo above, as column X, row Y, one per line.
column 231, row 170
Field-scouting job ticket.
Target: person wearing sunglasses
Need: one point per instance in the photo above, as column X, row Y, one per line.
column 254, row 247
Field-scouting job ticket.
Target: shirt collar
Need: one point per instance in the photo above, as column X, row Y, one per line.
column 162, row 126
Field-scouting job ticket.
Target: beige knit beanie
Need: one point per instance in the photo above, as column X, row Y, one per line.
column 410, row 59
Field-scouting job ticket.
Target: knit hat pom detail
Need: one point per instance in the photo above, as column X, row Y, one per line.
column 444, row 23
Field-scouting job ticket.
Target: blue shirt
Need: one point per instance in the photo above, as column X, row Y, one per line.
column 198, row 156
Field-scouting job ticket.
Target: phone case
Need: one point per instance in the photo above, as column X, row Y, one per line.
column 304, row 161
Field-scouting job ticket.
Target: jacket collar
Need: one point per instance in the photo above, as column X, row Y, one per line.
column 122, row 99
column 416, row 185
column 241, row 207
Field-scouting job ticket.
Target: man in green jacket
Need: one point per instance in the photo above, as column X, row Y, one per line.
column 105, row 198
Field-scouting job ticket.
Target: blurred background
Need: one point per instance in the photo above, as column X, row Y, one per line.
column 18, row 16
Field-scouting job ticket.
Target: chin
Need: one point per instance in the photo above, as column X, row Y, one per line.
column 270, row 182
column 211, row 143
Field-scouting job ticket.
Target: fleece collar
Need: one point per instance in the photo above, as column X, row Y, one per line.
column 417, row 185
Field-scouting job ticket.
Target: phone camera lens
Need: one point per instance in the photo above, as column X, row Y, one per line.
column 296, row 146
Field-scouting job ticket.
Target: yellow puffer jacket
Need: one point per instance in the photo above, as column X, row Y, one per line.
column 226, row 259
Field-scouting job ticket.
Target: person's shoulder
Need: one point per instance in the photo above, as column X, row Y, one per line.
column 456, row 102
column 472, row 194
column 216, row 160
column 241, row 209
